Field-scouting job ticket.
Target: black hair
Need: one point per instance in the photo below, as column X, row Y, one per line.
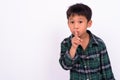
column 79, row 9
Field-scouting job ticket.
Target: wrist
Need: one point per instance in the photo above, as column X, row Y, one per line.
column 73, row 47
column 72, row 51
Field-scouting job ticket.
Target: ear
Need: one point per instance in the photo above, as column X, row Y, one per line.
column 68, row 23
column 89, row 23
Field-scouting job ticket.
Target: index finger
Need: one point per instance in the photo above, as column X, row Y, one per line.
column 76, row 34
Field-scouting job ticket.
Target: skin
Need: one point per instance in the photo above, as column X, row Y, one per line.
column 78, row 25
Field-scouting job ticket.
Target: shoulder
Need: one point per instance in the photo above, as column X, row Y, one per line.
column 95, row 39
column 67, row 39
column 99, row 41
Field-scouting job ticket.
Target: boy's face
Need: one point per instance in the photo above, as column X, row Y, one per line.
column 78, row 24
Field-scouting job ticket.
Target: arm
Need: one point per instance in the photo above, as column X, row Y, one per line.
column 67, row 60
column 68, row 52
column 106, row 66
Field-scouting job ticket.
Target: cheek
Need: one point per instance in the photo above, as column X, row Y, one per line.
column 71, row 29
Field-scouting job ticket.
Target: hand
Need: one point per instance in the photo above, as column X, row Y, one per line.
column 76, row 41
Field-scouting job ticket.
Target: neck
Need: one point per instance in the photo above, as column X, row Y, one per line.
column 85, row 36
column 85, row 40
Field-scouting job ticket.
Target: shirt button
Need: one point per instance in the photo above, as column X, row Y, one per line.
column 87, row 57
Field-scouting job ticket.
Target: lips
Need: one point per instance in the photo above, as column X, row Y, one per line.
column 76, row 33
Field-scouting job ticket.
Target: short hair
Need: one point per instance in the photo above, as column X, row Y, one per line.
column 79, row 9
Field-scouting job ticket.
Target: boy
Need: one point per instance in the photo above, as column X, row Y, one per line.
column 83, row 53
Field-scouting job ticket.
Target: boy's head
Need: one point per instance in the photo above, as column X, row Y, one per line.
column 79, row 9
column 79, row 19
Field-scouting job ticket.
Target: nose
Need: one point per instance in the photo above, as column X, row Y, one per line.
column 76, row 26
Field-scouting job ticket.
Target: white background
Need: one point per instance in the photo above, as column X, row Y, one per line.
column 31, row 32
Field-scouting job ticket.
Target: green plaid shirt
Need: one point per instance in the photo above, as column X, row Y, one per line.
column 90, row 64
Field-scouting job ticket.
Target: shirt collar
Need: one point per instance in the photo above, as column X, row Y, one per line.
column 93, row 39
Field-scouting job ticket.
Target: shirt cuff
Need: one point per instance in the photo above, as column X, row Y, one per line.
column 68, row 59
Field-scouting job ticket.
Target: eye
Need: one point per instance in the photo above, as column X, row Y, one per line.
column 80, row 21
column 71, row 22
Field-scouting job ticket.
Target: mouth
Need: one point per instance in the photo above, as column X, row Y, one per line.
column 76, row 33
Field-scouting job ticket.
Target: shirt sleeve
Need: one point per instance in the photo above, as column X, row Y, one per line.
column 65, row 60
column 106, row 66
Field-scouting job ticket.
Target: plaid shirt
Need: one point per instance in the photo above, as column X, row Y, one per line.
column 90, row 64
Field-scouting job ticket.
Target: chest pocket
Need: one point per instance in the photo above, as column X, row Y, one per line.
column 94, row 61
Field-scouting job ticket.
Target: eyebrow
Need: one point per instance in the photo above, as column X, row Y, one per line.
column 72, row 18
